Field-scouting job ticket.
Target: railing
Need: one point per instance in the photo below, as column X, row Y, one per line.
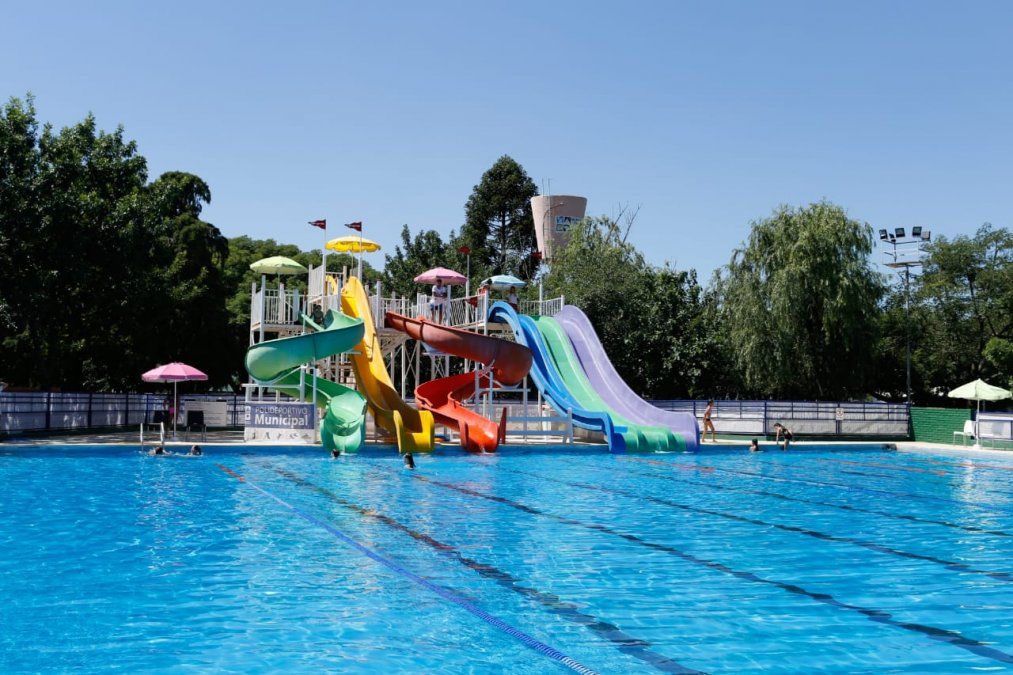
column 256, row 306
column 550, row 307
column 383, row 305
column 315, row 281
column 472, row 310
column 65, row 411
column 802, row 417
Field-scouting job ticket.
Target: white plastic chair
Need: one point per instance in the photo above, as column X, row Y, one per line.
column 968, row 432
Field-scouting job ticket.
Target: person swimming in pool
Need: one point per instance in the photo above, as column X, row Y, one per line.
column 409, row 461
column 158, row 450
column 195, row 451
column 754, row 446
column 335, row 453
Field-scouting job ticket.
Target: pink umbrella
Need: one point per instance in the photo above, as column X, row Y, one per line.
column 450, row 277
column 175, row 372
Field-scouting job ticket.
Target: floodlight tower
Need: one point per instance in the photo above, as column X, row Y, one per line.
column 905, row 254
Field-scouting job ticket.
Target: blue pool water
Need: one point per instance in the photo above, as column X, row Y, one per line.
column 850, row 560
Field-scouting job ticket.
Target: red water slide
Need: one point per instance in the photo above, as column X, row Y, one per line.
column 508, row 361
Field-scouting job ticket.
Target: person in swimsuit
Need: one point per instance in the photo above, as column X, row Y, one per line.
column 782, row 431
column 754, row 446
column 708, row 423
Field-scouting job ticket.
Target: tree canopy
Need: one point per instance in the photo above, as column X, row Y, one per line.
column 800, row 301
column 113, row 274
column 963, row 301
column 416, row 254
column 654, row 313
column 498, row 224
column 108, row 273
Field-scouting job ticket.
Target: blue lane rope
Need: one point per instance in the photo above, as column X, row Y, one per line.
column 497, row 623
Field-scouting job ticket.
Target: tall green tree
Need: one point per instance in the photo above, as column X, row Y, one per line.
column 416, row 254
column 105, row 274
column 498, row 224
column 800, row 305
column 964, row 309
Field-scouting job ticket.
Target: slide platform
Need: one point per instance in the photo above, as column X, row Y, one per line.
column 610, row 385
column 508, row 362
column 275, row 363
column 413, row 429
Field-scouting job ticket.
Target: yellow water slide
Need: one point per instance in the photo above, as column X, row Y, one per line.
column 413, row 429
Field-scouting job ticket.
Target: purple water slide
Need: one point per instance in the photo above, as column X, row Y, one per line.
column 611, row 387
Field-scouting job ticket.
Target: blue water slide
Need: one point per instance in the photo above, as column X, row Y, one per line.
column 549, row 381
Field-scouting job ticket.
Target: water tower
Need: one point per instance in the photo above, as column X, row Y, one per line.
column 554, row 215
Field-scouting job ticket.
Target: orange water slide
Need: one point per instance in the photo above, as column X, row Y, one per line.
column 508, row 362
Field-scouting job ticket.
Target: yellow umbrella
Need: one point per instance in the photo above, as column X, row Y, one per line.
column 353, row 244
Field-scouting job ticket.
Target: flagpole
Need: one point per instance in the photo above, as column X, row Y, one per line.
column 323, row 263
column 360, row 253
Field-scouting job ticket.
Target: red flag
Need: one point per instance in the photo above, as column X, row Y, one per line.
column 357, row 226
column 322, row 224
column 464, row 250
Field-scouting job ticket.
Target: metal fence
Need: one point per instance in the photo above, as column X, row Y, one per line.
column 815, row 418
column 44, row 411
column 63, row 411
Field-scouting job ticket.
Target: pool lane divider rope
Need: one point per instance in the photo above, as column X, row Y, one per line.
column 804, row 481
column 624, row 642
column 951, row 565
column 494, row 621
column 945, row 635
column 815, row 502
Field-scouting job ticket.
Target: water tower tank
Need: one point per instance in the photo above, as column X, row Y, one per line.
column 554, row 215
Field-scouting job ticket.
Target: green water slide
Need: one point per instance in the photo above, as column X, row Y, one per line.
column 638, row 436
column 276, row 364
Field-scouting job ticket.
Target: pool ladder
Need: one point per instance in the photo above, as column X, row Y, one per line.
column 161, row 432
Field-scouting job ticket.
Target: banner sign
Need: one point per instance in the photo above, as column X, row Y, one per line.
column 289, row 422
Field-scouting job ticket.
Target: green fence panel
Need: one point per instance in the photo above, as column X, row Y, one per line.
column 936, row 425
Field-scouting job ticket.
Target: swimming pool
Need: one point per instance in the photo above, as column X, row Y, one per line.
column 266, row 559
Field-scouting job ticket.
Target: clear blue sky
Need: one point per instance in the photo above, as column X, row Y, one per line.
column 708, row 115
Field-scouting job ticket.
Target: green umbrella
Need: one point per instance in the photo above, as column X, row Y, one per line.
column 979, row 391
column 278, row 264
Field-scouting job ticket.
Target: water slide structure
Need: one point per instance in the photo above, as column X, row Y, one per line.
column 610, row 385
column 549, row 381
column 276, row 364
column 507, row 362
column 413, row 429
column 647, row 437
